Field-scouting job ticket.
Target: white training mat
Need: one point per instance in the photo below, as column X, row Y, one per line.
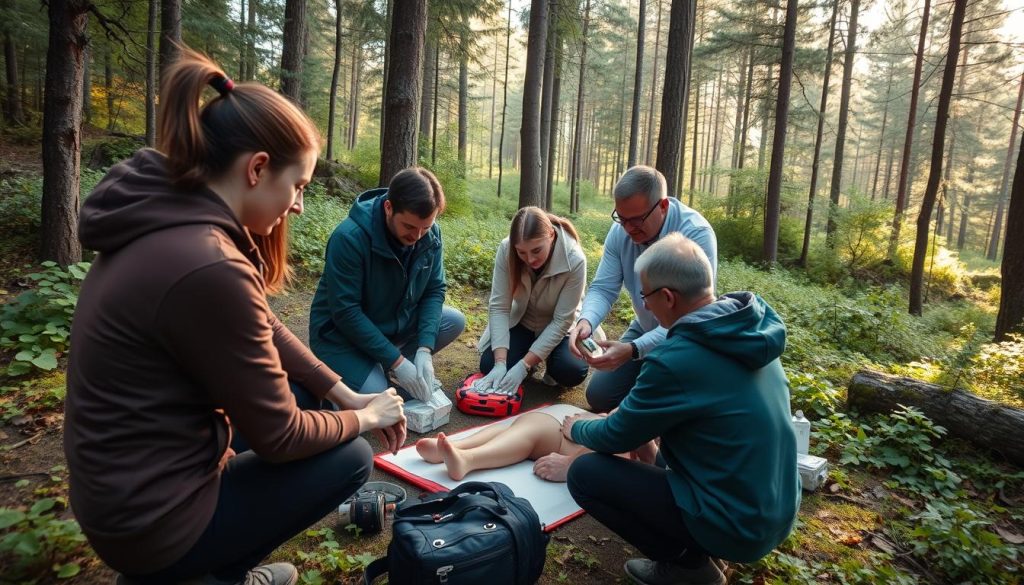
column 551, row 500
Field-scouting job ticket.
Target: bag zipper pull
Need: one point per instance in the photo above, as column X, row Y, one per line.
column 441, row 518
column 442, row 573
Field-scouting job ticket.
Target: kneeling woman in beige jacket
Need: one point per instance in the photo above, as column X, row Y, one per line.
column 540, row 273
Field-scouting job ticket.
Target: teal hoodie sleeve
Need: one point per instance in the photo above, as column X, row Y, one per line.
column 653, row 406
column 343, row 276
column 432, row 300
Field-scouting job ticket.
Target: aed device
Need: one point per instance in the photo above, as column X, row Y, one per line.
column 470, row 398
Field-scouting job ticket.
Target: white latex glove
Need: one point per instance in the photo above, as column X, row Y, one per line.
column 425, row 367
column 407, row 378
column 490, row 381
column 513, row 378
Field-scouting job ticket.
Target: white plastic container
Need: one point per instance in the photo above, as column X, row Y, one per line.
column 423, row 417
column 813, row 471
column 802, row 427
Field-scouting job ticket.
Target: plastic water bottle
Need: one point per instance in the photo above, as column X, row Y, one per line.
column 802, row 427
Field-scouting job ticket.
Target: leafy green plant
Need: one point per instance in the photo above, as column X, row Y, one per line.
column 328, row 562
column 36, row 544
column 37, row 324
column 956, row 539
column 812, row 393
column 997, row 369
column 308, row 233
column 40, row 394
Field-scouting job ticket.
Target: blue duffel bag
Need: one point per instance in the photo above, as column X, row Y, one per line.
column 480, row 532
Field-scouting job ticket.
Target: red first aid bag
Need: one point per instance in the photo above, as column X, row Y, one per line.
column 470, row 401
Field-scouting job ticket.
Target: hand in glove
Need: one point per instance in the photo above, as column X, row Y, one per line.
column 490, row 381
column 425, row 368
column 407, row 378
column 513, row 378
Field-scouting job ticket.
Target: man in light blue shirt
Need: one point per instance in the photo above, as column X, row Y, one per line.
column 644, row 213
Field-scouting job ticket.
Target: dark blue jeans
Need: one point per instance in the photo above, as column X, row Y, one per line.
column 562, row 366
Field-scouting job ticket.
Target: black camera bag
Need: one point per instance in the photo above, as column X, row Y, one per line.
column 480, row 532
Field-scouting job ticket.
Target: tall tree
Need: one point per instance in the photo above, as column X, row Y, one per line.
column 673, row 97
column 427, row 95
column 170, row 29
column 654, row 85
column 293, row 46
column 546, row 101
column 993, row 244
column 774, row 201
column 530, row 178
column 844, row 114
column 881, row 136
column 13, row 108
column 574, row 169
column 332, row 107
column 556, row 93
column 463, row 91
column 638, row 83
column 151, row 54
column 62, row 134
column 504, row 99
column 408, row 29
column 935, row 172
column 1011, row 300
column 816, row 161
column 908, row 140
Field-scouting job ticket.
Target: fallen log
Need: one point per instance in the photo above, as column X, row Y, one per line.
column 983, row 422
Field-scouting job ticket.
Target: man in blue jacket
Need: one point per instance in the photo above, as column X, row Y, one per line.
column 380, row 302
column 715, row 393
column 644, row 213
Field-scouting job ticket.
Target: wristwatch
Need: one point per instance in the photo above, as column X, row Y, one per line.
column 636, row 351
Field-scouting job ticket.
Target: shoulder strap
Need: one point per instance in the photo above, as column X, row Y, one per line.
column 375, row 569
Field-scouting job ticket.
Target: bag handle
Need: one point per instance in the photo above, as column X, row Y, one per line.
column 375, row 569
column 457, row 513
column 482, row 488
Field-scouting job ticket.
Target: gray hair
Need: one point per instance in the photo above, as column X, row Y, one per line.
column 678, row 263
column 641, row 180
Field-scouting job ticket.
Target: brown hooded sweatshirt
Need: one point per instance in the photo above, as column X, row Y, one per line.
column 172, row 337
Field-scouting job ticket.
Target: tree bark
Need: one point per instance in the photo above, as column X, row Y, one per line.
column 908, row 141
column 408, row 29
column 437, row 100
column 356, row 87
column 530, row 178
column 389, row 20
column 638, row 85
column 14, row 111
column 151, row 54
column 170, row 29
column 574, row 188
column 332, row 107
column 463, row 94
column 556, row 93
column 673, row 97
column 993, row 244
column 62, row 136
column 934, row 173
column 427, row 95
column 87, row 85
column 983, row 422
column 844, row 113
column 1011, row 299
column 504, row 99
column 654, row 86
column 774, row 201
column 292, row 49
column 250, row 43
column 816, row 161
column 547, row 90
column 881, row 136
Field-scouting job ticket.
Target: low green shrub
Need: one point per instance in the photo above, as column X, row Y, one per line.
column 469, row 248
column 36, row 545
column 37, row 323
column 956, row 539
column 105, row 152
column 997, row 371
column 329, row 562
column 308, row 233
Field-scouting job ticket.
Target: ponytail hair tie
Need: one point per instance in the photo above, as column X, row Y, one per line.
column 222, row 84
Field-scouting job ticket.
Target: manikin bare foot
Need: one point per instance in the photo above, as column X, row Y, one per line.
column 454, row 459
column 428, row 450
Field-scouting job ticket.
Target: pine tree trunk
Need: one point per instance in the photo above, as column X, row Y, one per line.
column 881, row 136
column 654, row 85
column 1011, row 299
column 844, row 114
column 250, row 43
column 545, row 102
column 332, row 107
column 553, row 143
column 62, row 135
column 151, row 52
column 15, row 113
column 427, row 95
column 993, row 244
column 888, row 171
column 908, row 141
column 389, row 28
column 638, row 82
column 504, row 99
column 87, row 85
column 494, row 101
column 404, row 77
column 531, row 176
column 355, row 89
column 170, row 29
column 673, row 97
column 292, row 49
column 241, row 40
column 463, row 97
column 942, row 114
column 108, row 87
column 574, row 188
column 816, row 161
column 774, row 200
column 436, row 102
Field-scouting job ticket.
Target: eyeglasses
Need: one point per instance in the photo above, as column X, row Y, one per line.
column 645, row 295
column 636, row 221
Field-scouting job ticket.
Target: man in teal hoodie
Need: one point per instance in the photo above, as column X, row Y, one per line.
column 715, row 393
column 380, row 302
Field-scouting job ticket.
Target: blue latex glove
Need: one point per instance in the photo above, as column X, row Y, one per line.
column 513, row 378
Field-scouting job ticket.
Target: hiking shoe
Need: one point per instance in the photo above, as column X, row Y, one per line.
column 549, row 381
column 648, row 572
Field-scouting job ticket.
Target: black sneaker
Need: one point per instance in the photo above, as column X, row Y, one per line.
column 648, row 572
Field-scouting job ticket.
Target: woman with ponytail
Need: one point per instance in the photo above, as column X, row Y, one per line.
column 540, row 273
column 176, row 349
